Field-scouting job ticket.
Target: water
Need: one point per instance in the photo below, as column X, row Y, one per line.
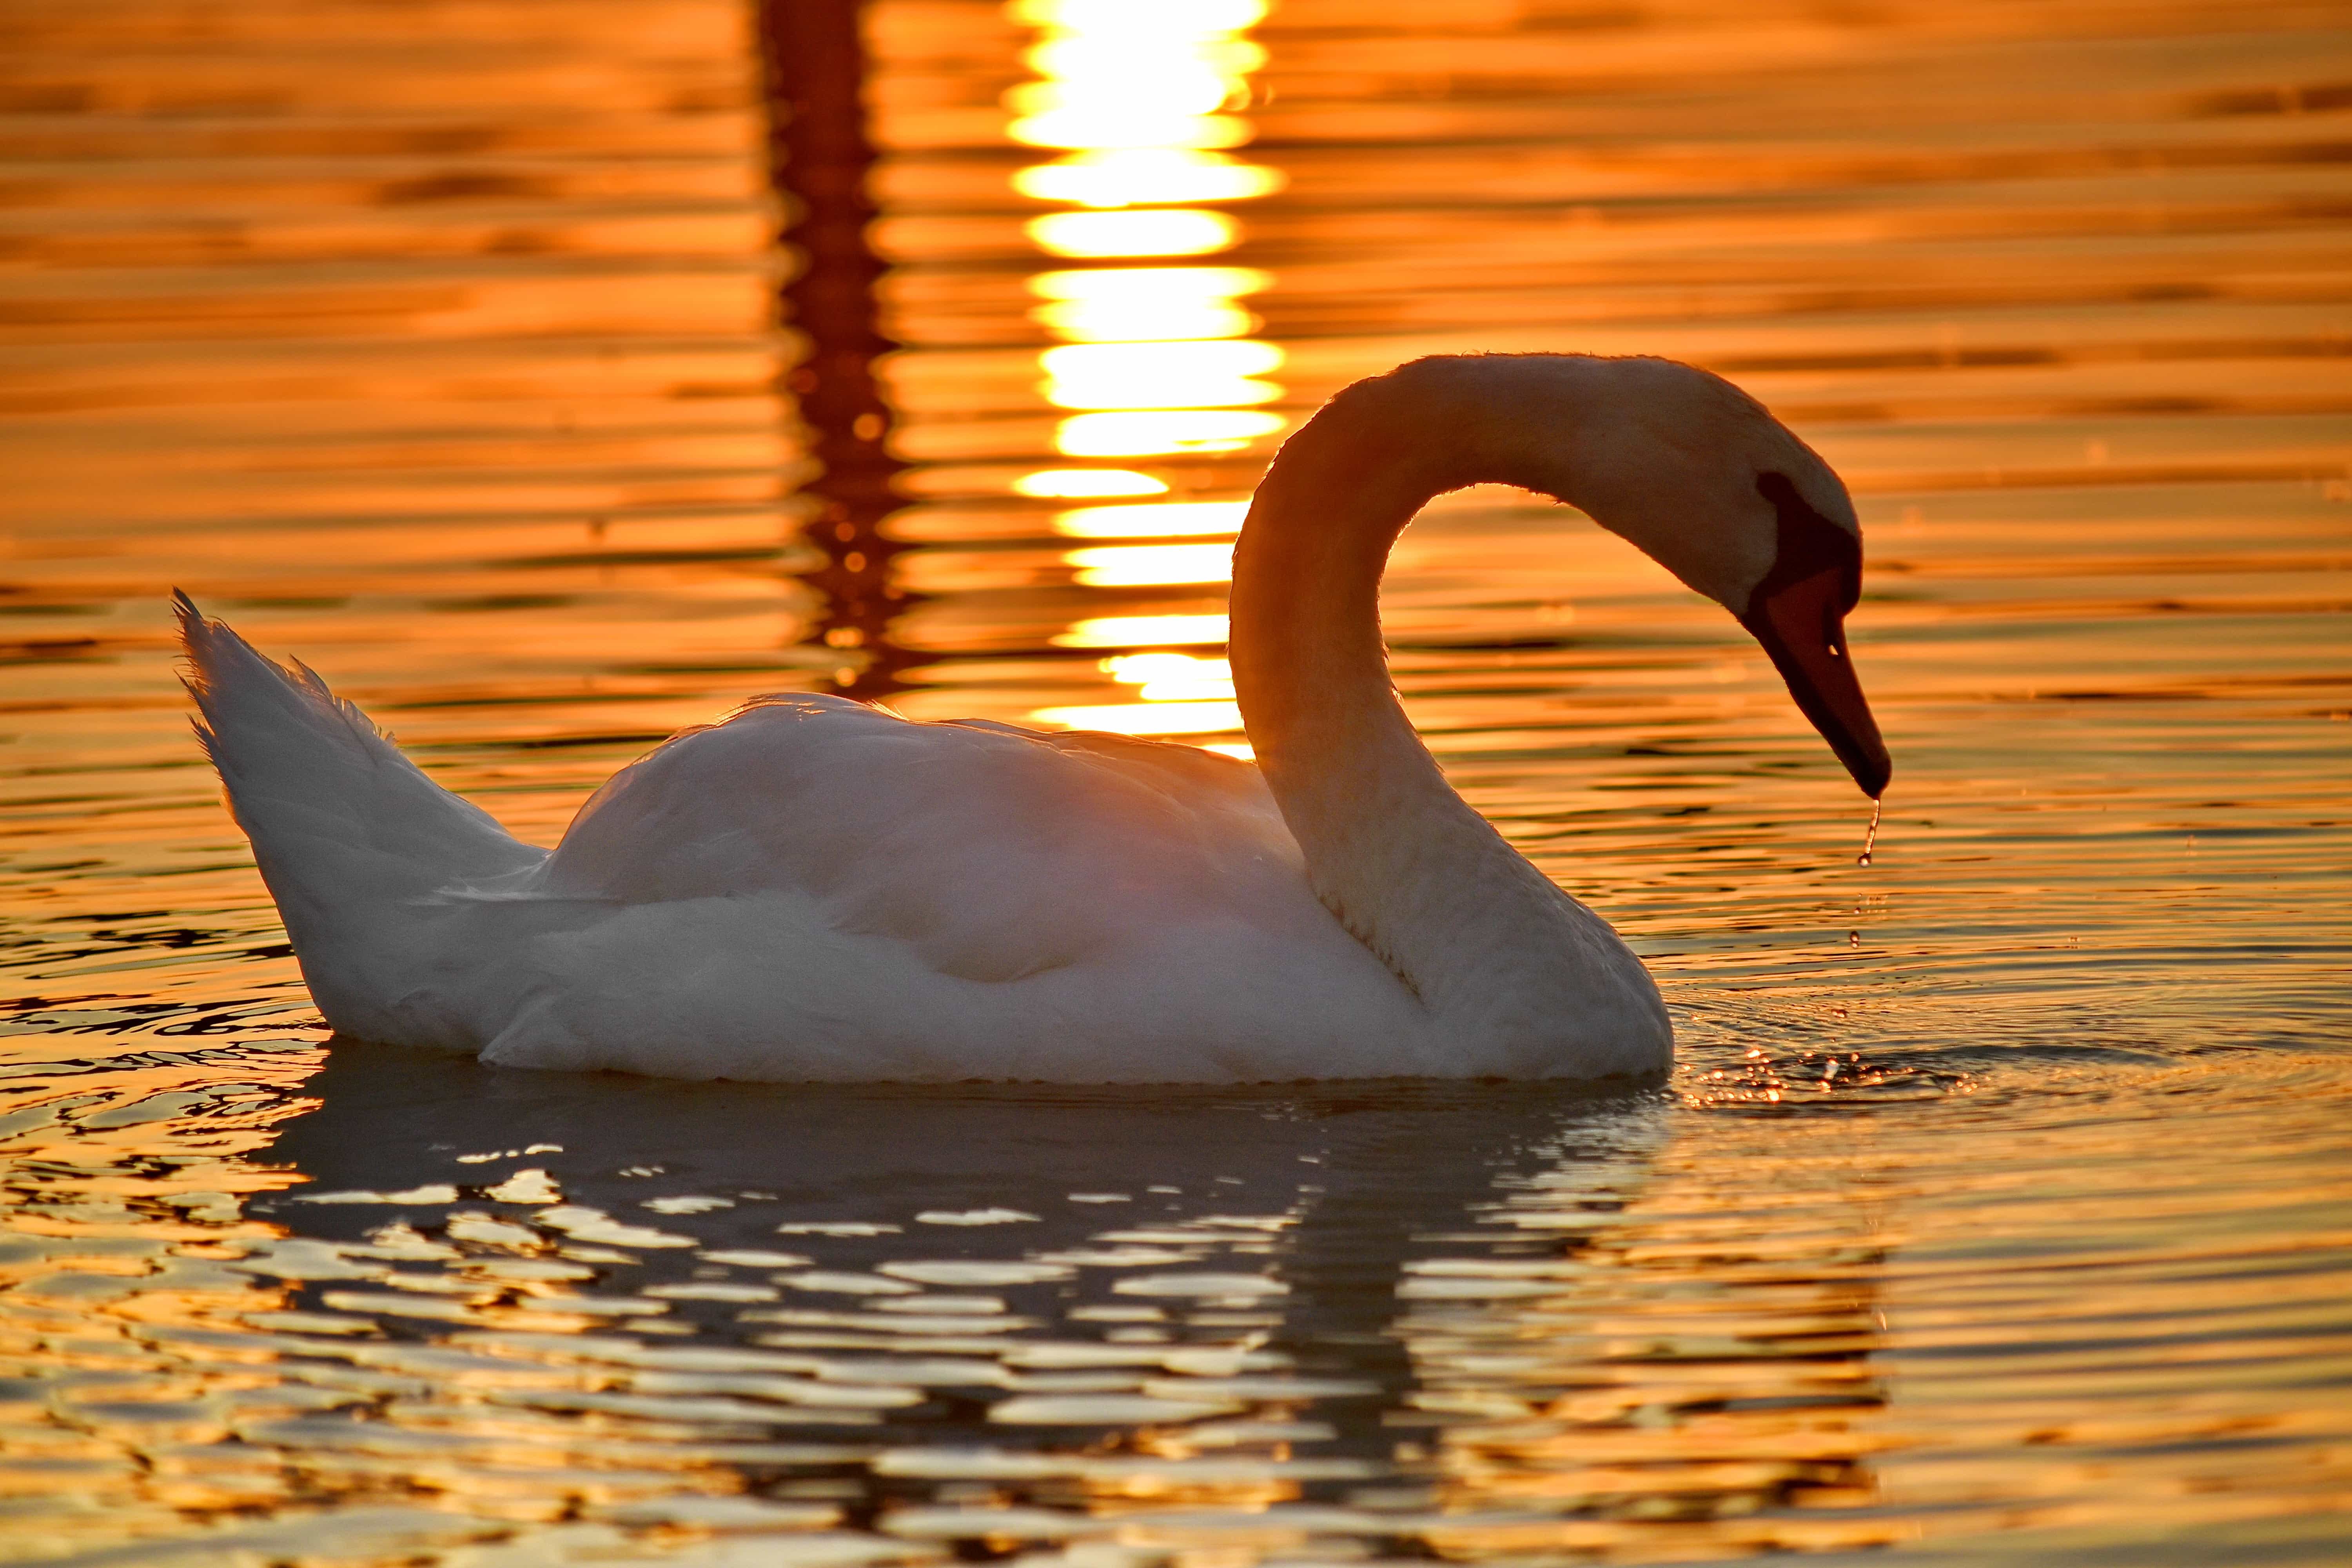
column 2001, row 1206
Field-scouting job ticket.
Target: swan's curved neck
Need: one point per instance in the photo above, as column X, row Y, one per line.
column 1417, row 875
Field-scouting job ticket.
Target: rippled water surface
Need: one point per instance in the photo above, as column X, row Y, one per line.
column 2001, row 1206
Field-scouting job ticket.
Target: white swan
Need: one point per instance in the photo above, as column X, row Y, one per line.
column 813, row 890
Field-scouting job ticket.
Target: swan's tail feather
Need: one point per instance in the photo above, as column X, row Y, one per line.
column 345, row 829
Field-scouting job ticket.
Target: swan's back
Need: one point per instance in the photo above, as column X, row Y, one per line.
column 993, row 853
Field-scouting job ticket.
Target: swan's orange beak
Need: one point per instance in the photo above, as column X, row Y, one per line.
column 1799, row 612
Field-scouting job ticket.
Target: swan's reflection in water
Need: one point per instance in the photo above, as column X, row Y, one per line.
column 1668, row 1362
column 552, row 1315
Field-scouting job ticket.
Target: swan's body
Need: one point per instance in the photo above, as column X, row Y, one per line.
column 815, row 890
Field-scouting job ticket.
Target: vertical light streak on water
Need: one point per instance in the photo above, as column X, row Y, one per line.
column 1157, row 361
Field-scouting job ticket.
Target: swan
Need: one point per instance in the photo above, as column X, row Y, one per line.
column 816, row 890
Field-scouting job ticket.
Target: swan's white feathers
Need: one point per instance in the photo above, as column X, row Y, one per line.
column 811, row 890
column 993, row 853
column 346, row 831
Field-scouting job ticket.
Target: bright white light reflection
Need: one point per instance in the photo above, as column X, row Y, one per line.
column 1097, row 126
column 1145, row 304
column 1144, row 631
column 1147, row 718
column 1083, row 56
column 1150, row 231
column 1072, row 484
column 1142, row 565
column 1172, row 676
column 1121, row 320
column 1166, row 520
column 1112, row 16
column 1136, row 668
column 1204, row 391
column 1154, row 375
column 1083, row 82
column 1141, row 177
column 1158, row 359
column 1119, row 75
column 1163, row 432
column 1143, row 284
column 1089, row 364
column 1139, row 93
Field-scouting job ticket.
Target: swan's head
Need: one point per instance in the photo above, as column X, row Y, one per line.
column 1697, row 474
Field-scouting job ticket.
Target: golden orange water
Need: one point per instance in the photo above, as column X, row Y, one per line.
column 2001, row 1206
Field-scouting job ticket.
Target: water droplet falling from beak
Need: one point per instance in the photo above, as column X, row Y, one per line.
column 1870, row 837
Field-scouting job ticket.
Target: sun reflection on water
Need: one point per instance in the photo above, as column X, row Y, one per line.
column 1153, row 374
column 1182, row 695
column 1144, row 566
column 1143, row 631
column 1074, row 484
column 1168, row 519
column 1152, row 362
column 1148, row 305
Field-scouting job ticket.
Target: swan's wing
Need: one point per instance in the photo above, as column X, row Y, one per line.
column 994, row 852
